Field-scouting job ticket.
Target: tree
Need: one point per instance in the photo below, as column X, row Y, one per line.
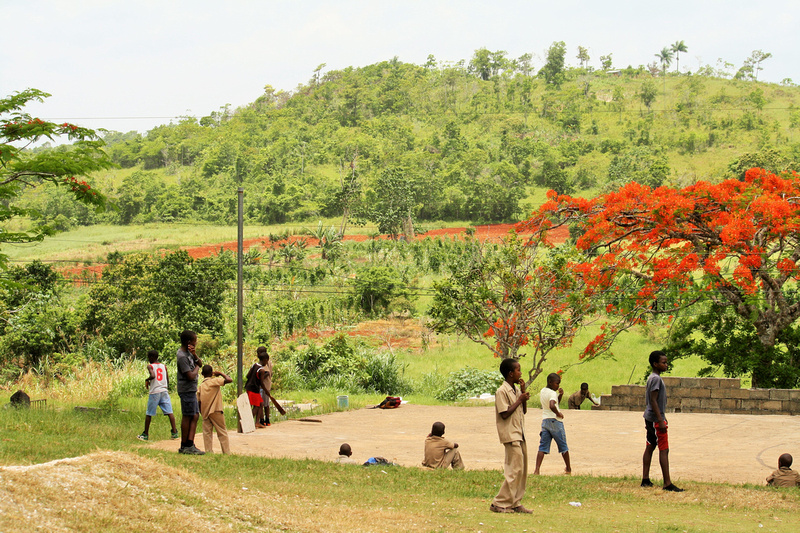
column 21, row 167
column 553, row 69
column 677, row 48
column 513, row 297
column 659, row 252
column 756, row 58
column 606, row 62
column 583, row 56
column 390, row 203
column 647, row 92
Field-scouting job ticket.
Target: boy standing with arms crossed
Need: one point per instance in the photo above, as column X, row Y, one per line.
column 510, row 407
column 552, row 426
column 655, row 422
column 158, row 383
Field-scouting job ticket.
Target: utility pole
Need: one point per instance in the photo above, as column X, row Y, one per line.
column 240, row 297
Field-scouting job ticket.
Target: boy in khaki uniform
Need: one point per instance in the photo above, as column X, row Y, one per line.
column 440, row 452
column 209, row 398
column 511, row 405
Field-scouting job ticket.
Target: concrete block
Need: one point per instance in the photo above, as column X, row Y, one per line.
column 794, row 394
column 730, row 383
column 727, row 404
column 751, row 404
column 695, row 393
column 759, row 394
column 794, row 406
column 710, row 403
column 688, row 383
column 738, row 394
column 711, row 383
column 778, row 394
column 689, row 403
column 724, row 412
column 720, row 393
column 772, row 405
column 703, row 410
column 672, row 381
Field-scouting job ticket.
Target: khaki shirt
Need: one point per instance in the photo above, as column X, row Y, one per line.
column 435, row 448
column 575, row 400
column 512, row 428
column 266, row 376
column 209, row 395
column 784, row 477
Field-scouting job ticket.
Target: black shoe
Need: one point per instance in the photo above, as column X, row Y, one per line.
column 672, row 488
column 647, row 483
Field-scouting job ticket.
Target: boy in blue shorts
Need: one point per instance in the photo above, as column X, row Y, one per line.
column 158, row 383
column 552, row 426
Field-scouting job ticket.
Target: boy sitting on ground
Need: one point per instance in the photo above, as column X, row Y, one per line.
column 345, row 454
column 784, row 476
column 576, row 399
column 440, row 452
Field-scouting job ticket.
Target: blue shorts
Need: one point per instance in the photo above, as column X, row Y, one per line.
column 553, row 428
column 189, row 405
column 159, row 399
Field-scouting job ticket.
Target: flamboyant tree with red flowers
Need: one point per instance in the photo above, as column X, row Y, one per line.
column 21, row 167
column 734, row 246
column 515, row 299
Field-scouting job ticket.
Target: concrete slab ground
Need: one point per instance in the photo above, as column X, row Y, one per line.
column 703, row 447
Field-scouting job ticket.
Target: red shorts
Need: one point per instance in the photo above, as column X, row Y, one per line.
column 657, row 436
column 255, row 398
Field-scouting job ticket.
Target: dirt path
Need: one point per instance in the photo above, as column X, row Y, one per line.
column 704, row 447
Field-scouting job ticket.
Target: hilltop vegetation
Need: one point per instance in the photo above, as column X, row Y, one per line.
column 394, row 142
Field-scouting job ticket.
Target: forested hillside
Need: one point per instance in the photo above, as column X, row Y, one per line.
column 443, row 141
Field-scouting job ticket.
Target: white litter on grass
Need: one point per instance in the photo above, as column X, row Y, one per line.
column 485, row 396
column 575, row 504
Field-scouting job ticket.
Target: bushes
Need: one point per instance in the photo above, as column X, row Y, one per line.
column 340, row 364
column 467, row 382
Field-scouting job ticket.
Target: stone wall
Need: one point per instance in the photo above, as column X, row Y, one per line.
column 707, row 395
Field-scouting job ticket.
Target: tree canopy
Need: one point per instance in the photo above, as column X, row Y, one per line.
column 659, row 252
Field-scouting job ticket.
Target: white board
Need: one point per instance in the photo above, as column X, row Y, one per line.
column 245, row 414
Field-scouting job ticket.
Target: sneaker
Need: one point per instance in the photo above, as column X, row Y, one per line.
column 143, row 436
column 192, row 450
column 495, row 509
column 176, row 435
column 522, row 509
column 260, row 425
column 647, row 483
column 672, row 488
column 268, row 424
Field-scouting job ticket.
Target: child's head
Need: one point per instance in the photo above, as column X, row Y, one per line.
column 508, row 366
column 553, row 381
column 152, row 356
column 261, row 353
column 344, row 449
column 207, row 371
column 785, row 460
column 188, row 337
column 656, row 359
column 437, row 429
column 584, row 387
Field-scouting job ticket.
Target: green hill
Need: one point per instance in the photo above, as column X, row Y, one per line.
column 469, row 141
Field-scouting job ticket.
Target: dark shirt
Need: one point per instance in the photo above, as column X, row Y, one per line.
column 185, row 363
column 654, row 382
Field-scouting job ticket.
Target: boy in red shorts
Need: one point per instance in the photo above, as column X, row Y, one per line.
column 253, row 385
column 655, row 423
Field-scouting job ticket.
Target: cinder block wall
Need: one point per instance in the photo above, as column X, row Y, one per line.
column 707, row 395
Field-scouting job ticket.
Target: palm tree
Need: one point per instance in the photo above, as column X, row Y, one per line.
column 665, row 56
column 678, row 47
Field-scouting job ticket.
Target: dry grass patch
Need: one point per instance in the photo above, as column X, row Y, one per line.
column 119, row 491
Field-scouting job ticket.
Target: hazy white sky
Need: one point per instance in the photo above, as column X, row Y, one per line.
column 113, row 63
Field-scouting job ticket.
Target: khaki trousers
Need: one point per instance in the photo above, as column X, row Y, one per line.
column 215, row 420
column 515, row 470
column 451, row 458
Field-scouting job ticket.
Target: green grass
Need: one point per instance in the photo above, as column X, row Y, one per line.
column 415, row 499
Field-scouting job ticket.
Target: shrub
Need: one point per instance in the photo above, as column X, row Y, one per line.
column 466, row 382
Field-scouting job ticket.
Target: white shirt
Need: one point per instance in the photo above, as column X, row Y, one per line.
column 545, row 396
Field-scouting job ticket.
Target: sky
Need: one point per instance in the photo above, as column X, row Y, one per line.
column 135, row 64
